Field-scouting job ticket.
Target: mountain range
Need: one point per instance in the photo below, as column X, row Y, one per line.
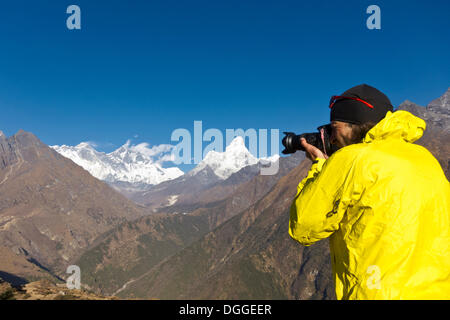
column 206, row 234
column 51, row 209
column 137, row 171
column 137, row 165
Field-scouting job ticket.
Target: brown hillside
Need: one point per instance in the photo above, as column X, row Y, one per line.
column 50, row 208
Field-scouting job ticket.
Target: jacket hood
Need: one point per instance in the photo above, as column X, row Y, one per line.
column 397, row 125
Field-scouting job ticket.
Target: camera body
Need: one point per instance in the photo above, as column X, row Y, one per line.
column 320, row 140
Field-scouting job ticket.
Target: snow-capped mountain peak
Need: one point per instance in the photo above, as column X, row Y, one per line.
column 135, row 164
column 141, row 165
column 235, row 157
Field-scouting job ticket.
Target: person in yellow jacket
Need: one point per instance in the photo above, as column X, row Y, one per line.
column 383, row 201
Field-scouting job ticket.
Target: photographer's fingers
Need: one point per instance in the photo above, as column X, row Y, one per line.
column 311, row 151
column 307, row 148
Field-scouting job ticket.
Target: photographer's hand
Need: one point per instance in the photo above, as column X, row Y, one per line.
column 312, row 152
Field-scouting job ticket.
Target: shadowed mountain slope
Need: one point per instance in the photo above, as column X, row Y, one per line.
column 50, row 208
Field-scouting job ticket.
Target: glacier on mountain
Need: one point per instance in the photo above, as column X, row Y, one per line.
column 143, row 165
column 235, row 157
column 129, row 163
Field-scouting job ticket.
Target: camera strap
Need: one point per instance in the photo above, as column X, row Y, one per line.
column 322, row 136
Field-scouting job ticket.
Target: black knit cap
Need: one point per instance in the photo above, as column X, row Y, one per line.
column 353, row 111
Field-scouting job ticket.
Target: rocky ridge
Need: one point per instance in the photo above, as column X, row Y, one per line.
column 46, row 290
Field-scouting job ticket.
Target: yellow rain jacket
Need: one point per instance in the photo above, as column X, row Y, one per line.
column 385, row 204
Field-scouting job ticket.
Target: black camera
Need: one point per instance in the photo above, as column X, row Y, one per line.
column 320, row 140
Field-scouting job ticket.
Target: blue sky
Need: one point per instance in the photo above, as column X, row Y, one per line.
column 140, row 69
